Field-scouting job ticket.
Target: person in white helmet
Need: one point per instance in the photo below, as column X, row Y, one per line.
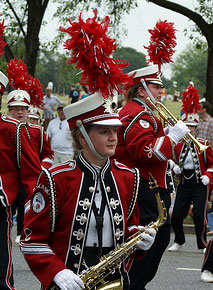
column 82, row 209
column 19, row 165
column 143, row 143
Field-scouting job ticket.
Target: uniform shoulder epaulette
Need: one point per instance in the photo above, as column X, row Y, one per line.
column 9, row 119
column 62, row 167
column 34, row 126
column 122, row 166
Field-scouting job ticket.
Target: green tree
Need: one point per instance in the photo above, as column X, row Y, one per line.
column 191, row 64
column 25, row 19
column 202, row 18
column 133, row 57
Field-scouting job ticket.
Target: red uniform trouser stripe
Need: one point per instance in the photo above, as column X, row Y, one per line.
column 6, row 268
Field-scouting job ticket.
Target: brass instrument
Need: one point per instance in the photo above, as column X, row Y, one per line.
column 171, row 120
column 94, row 276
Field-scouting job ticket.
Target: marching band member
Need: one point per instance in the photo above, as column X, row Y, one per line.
column 18, row 102
column 33, row 115
column 196, row 172
column 142, row 143
column 86, row 206
column 19, row 164
column 207, row 267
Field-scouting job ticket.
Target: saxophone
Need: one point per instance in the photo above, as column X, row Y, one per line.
column 94, row 276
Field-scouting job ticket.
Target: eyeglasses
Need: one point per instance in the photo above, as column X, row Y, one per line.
column 60, row 125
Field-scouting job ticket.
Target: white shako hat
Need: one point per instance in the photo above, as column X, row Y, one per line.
column 3, row 82
column 34, row 112
column 190, row 119
column 93, row 110
column 18, row 98
column 149, row 74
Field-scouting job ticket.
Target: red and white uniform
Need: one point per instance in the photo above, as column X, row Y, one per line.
column 202, row 163
column 16, row 151
column 142, row 143
column 42, row 143
column 19, row 164
column 58, row 216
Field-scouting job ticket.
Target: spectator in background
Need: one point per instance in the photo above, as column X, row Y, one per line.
column 205, row 125
column 50, row 84
column 73, row 95
column 50, row 103
column 83, row 92
column 60, row 135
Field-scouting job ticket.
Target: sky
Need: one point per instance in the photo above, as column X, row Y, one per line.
column 137, row 24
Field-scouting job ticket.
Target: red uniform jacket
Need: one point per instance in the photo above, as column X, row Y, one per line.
column 52, row 242
column 19, row 162
column 42, row 144
column 203, row 163
column 142, row 143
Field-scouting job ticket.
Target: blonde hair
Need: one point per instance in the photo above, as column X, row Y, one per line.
column 75, row 139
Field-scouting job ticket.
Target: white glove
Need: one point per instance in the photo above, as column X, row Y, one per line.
column 67, row 280
column 205, row 180
column 177, row 132
column 176, row 169
column 147, row 239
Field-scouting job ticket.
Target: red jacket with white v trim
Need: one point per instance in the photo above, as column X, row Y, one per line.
column 18, row 158
column 142, row 143
column 66, row 192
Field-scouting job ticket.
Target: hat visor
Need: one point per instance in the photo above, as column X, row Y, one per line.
column 18, row 104
column 32, row 116
column 110, row 122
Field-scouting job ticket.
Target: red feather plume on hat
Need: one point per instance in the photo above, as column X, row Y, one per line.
column 20, row 79
column 2, row 42
column 34, row 89
column 162, row 43
column 190, row 99
column 17, row 74
column 91, row 50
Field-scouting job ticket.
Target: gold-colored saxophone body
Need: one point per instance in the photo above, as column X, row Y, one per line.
column 167, row 116
column 95, row 276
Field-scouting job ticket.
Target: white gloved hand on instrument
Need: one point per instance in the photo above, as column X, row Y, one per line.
column 205, row 180
column 147, row 238
column 177, row 132
column 67, row 280
column 176, row 169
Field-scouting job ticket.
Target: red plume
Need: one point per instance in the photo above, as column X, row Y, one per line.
column 2, row 42
column 17, row 74
column 190, row 99
column 20, row 79
column 34, row 89
column 162, row 43
column 91, row 52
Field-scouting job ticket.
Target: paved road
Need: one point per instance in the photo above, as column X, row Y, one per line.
column 171, row 274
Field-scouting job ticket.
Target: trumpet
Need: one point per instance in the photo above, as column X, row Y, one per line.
column 172, row 120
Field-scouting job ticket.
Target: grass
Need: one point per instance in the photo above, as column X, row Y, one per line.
column 173, row 107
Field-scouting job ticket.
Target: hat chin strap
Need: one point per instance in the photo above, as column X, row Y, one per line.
column 148, row 91
column 89, row 142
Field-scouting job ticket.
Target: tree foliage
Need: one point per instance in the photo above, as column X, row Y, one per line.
column 190, row 65
column 203, row 20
